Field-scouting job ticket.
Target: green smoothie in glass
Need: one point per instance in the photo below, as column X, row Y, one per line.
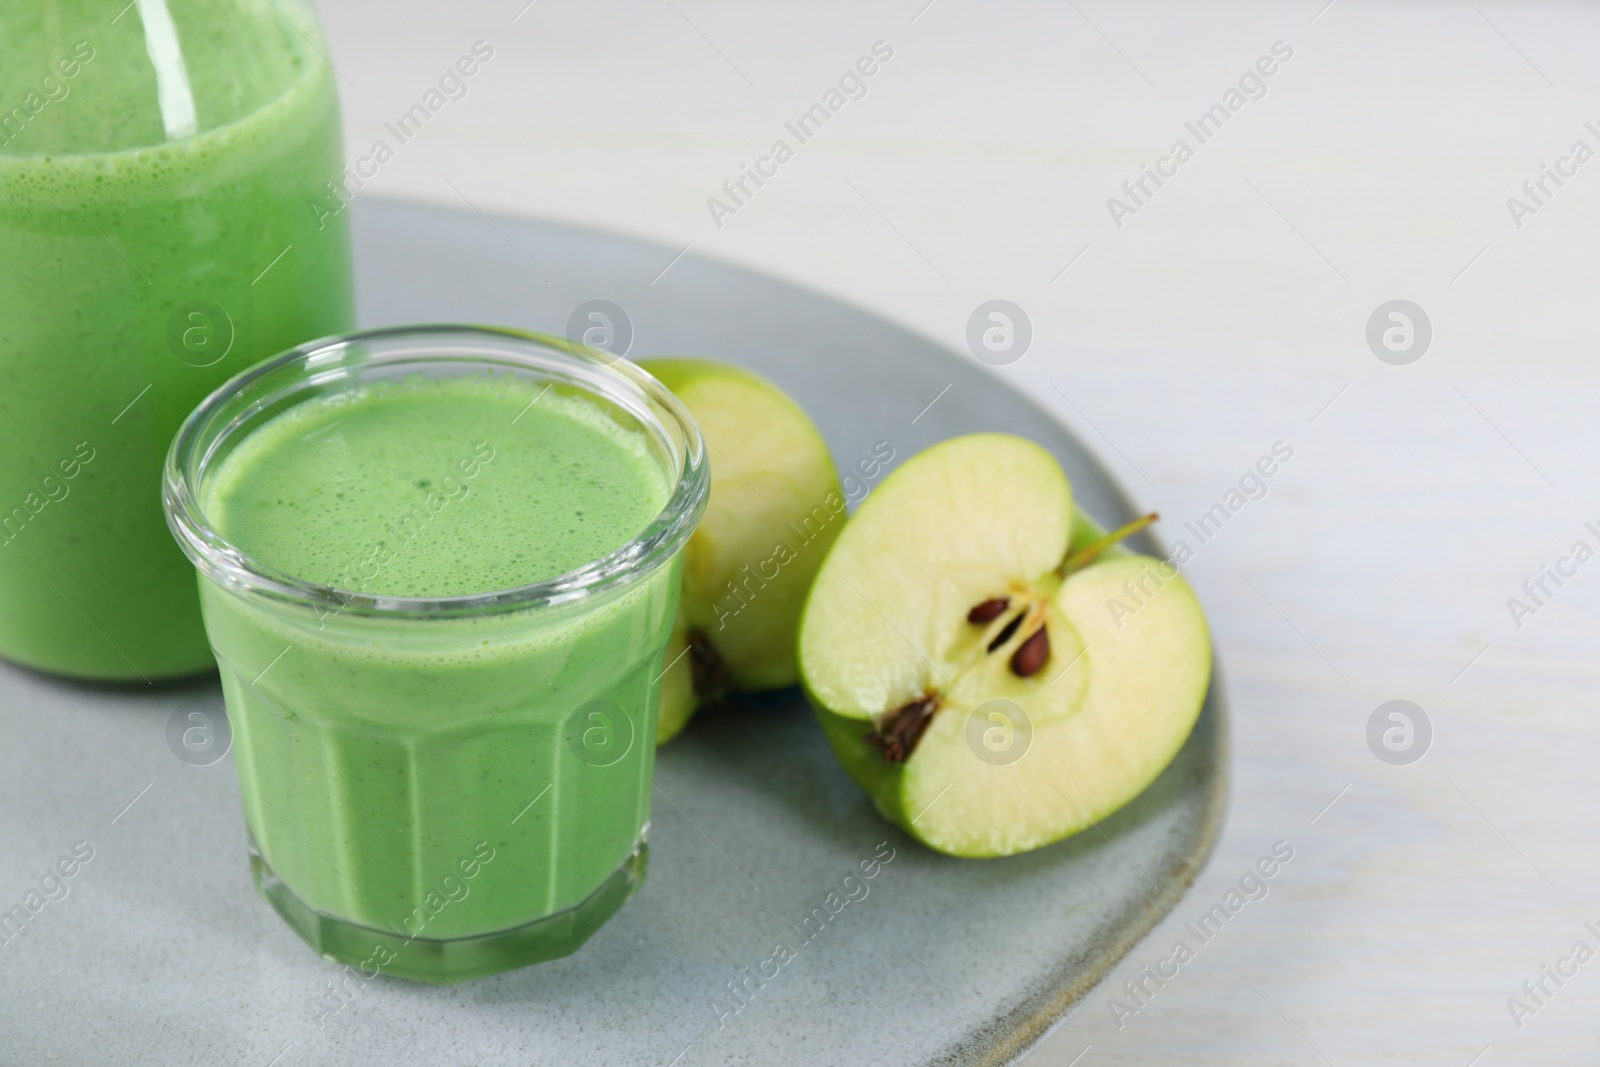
column 161, row 169
column 439, row 567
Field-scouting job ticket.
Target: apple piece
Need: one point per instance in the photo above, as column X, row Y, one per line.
column 931, row 606
column 775, row 508
column 887, row 617
column 677, row 701
column 1143, row 685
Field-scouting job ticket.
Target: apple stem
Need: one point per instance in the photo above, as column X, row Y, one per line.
column 1086, row 555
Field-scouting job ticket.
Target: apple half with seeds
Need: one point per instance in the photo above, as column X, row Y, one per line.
column 776, row 507
column 969, row 649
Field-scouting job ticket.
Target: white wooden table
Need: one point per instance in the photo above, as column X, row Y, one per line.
column 1227, row 312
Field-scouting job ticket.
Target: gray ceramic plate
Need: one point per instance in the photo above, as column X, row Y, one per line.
column 161, row 953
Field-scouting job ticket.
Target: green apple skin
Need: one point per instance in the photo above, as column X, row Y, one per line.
column 776, row 506
column 1109, row 711
column 677, row 699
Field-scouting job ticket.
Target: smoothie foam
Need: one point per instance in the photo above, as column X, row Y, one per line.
column 459, row 486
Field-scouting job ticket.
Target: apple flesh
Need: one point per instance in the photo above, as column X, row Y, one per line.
column 920, row 647
column 775, row 508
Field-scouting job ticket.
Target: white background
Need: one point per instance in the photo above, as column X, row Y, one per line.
column 1227, row 314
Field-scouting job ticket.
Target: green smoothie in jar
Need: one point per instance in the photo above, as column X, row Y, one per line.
column 164, row 173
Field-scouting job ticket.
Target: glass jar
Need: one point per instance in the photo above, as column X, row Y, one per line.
column 168, row 216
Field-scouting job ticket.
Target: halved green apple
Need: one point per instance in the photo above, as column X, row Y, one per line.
column 776, row 506
column 991, row 669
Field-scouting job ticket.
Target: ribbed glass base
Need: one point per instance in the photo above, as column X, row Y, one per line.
column 446, row 961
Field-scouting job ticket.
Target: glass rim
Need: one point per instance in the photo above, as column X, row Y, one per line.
column 218, row 559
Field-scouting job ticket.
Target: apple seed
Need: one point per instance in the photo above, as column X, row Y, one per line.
column 900, row 730
column 1005, row 635
column 989, row 610
column 1031, row 655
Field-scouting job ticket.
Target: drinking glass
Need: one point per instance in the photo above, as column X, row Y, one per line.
column 442, row 788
